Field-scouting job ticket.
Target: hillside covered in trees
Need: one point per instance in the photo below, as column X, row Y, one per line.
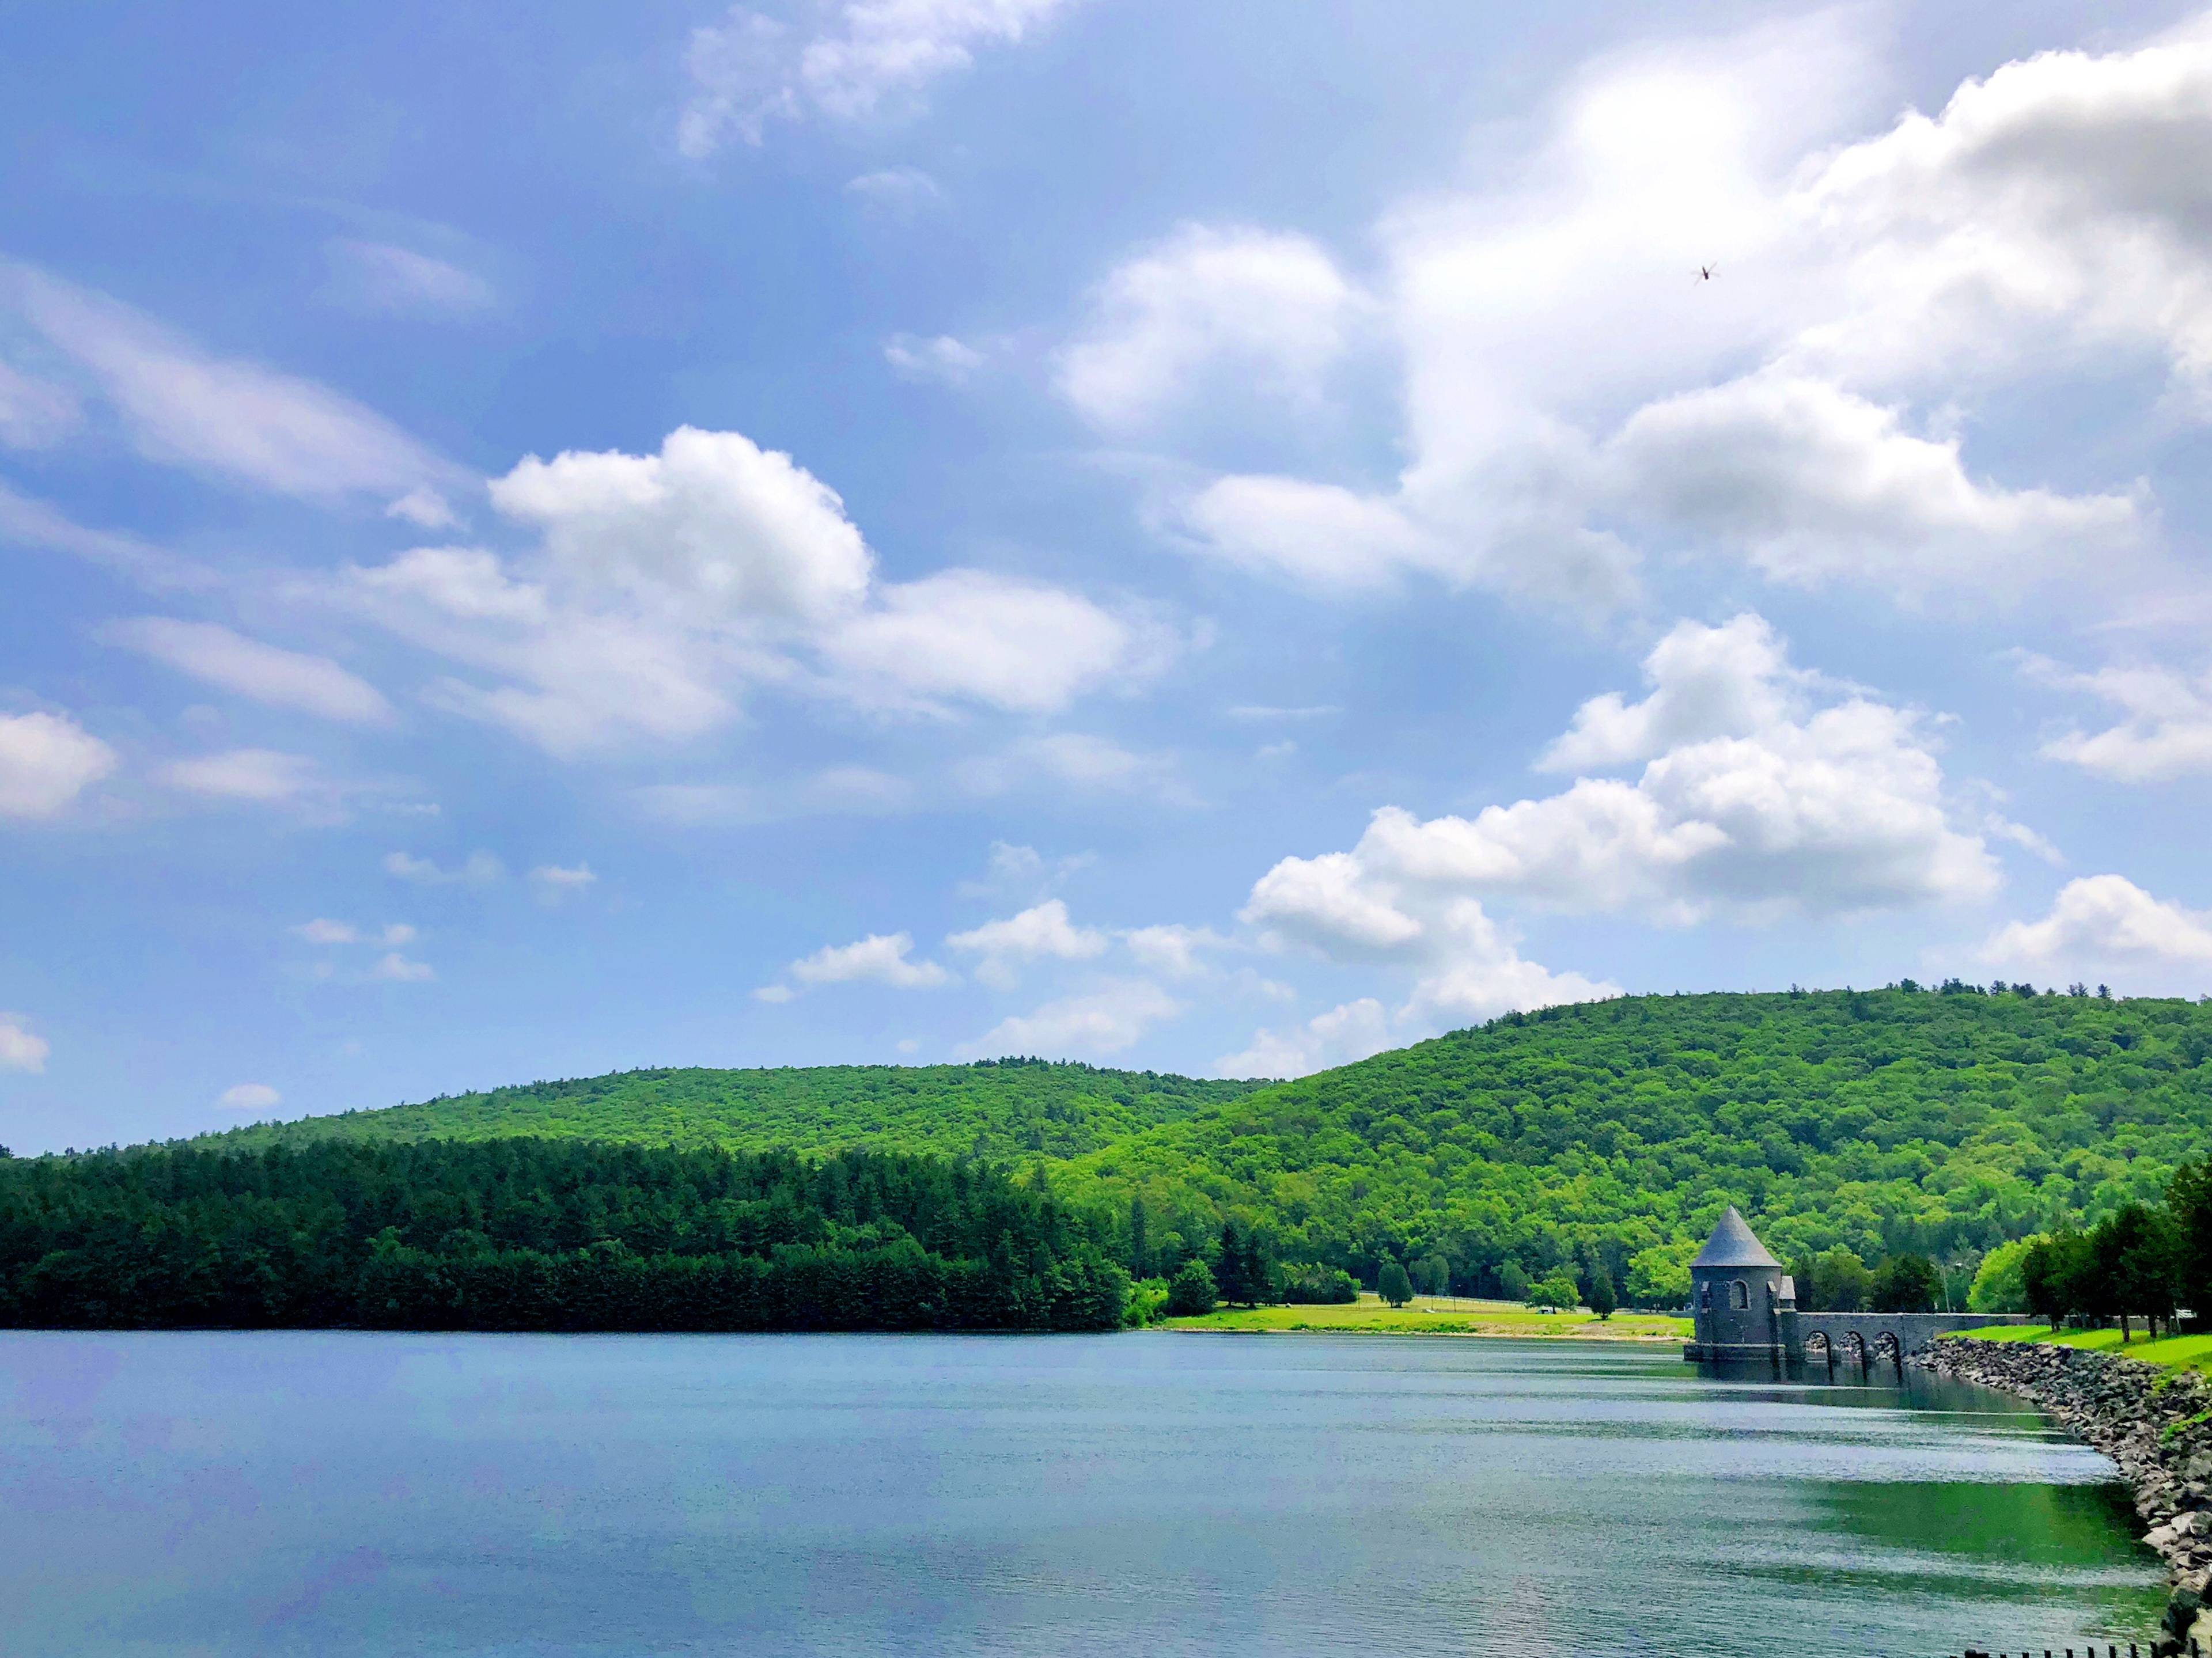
column 1535, row 1149
column 541, row 1235
column 1941, row 1123
column 1004, row 1110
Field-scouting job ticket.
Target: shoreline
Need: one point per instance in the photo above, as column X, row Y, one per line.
column 2154, row 1423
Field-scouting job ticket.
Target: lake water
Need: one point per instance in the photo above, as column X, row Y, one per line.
column 345, row 1494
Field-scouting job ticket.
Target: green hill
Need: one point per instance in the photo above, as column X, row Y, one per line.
column 1005, row 1110
column 1879, row 1120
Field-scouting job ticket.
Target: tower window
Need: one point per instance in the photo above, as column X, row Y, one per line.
column 1739, row 1294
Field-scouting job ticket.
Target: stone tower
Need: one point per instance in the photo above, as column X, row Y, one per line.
column 1738, row 1294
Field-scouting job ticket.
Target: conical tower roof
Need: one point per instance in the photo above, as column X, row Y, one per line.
column 1733, row 1244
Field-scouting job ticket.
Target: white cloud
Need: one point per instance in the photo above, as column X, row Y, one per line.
column 1801, row 410
column 752, row 68
column 398, row 969
column 667, row 583
column 555, row 881
column 941, row 358
column 424, row 509
column 182, row 405
column 1040, row 933
column 20, row 1049
column 2105, row 921
column 323, row 931
column 2166, row 731
column 1760, row 804
column 1343, row 1034
column 879, row 958
column 1269, row 310
column 1813, row 483
column 896, row 191
column 379, row 277
column 250, row 1096
column 258, row 775
column 1172, row 949
column 1023, row 870
column 33, row 414
column 478, row 869
column 983, row 638
column 267, row 673
column 1108, row 1020
column 1706, row 683
column 712, row 522
column 774, row 995
column 47, row 760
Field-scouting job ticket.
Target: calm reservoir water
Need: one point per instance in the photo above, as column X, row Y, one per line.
column 342, row 1494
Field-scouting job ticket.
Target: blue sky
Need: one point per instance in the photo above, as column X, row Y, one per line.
column 1218, row 538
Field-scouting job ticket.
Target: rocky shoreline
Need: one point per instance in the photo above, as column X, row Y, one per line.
column 2156, row 1423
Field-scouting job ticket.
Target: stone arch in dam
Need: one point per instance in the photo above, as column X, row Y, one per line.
column 1744, row 1306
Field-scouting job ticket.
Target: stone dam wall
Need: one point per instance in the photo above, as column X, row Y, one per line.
column 2156, row 1423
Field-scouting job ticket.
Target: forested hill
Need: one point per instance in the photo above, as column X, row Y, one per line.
column 1879, row 1120
column 1006, row 1111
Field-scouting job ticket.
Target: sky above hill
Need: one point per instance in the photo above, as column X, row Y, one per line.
column 542, row 539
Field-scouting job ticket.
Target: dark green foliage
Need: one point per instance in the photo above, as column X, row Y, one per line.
column 1599, row 1294
column 2141, row 1261
column 1000, row 1109
column 1839, row 1283
column 1883, row 1122
column 1243, row 1274
column 1907, row 1284
column 1393, row 1285
column 1320, row 1286
column 542, row 1235
column 1191, row 1292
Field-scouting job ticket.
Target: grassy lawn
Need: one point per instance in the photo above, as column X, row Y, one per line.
column 2180, row 1352
column 1443, row 1316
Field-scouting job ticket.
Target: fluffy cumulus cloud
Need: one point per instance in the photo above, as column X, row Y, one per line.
column 1802, row 411
column 1754, row 798
column 1096, row 1024
column 2107, row 924
column 46, row 761
column 1203, row 307
column 860, row 57
column 1040, row 932
column 880, row 958
column 20, row 1049
column 250, row 1096
column 184, row 405
column 267, row 673
column 2164, row 730
column 1757, row 793
column 666, row 585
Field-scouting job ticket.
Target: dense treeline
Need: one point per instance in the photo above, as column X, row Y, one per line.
column 2144, row 1261
column 529, row 1233
column 1548, row 1148
column 1581, row 1151
column 998, row 1110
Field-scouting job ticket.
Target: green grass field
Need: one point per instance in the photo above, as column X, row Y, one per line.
column 1441, row 1316
column 2177, row 1352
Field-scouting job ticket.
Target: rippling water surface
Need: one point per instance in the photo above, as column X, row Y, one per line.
column 356, row 1495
